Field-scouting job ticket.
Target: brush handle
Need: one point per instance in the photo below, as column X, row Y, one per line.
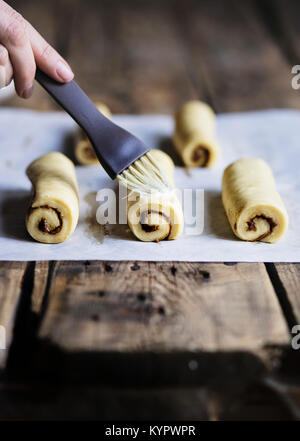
column 72, row 98
column 115, row 148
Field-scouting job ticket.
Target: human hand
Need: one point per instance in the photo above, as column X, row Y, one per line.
column 22, row 48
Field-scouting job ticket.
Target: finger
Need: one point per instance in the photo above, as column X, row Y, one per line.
column 48, row 59
column 6, row 70
column 14, row 36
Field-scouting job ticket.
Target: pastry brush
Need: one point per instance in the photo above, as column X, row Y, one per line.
column 122, row 155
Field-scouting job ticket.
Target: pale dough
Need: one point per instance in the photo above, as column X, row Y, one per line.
column 253, row 206
column 194, row 135
column 157, row 216
column 54, row 210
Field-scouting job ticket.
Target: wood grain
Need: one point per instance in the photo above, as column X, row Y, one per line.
column 161, row 307
column 236, row 55
column 129, row 52
column 91, row 402
column 289, row 281
column 98, row 58
column 98, row 310
column 157, row 60
column 40, row 286
column 281, row 18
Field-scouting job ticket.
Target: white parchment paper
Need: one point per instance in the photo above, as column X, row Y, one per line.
column 272, row 135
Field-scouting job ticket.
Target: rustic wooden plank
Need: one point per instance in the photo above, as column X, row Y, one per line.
column 281, row 18
column 259, row 404
column 41, row 276
column 142, row 312
column 289, row 393
column 243, row 67
column 287, row 283
column 11, row 277
column 20, row 401
column 157, row 306
column 40, row 402
column 156, row 59
column 97, row 57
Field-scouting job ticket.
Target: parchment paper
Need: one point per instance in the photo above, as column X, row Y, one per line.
column 272, row 135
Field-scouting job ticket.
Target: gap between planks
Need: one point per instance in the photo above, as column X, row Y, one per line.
column 35, row 279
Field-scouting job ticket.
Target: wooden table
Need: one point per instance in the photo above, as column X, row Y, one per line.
column 158, row 340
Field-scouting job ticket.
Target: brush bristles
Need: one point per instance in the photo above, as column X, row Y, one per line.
column 145, row 176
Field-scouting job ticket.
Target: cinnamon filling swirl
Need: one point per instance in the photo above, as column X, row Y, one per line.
column 148, row 228
column 43, row 224
column 252, row 226
column 89, row 152
column 200, row 156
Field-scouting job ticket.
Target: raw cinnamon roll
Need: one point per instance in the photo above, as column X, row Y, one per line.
column 84, row 152
column 253, row 206
column 53, row 214
column 156, row 216
column 194, row 135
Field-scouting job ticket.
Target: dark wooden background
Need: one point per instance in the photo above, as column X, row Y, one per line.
column 147, row 340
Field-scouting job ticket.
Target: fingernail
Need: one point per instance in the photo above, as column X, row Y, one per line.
column 27, row 92
column 64, row 72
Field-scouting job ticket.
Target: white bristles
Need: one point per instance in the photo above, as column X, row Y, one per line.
column 145, row 176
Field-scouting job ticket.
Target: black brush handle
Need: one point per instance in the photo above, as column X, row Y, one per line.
column 115, row 148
